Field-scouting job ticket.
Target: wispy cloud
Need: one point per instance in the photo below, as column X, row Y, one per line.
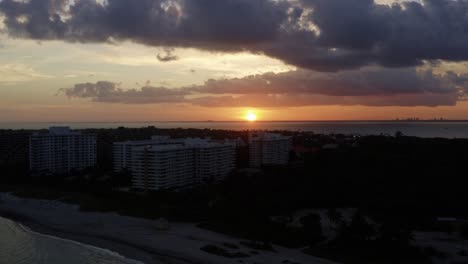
column 13, row 73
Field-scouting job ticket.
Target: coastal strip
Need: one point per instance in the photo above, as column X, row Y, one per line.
column 112, row 245
column 136, row 238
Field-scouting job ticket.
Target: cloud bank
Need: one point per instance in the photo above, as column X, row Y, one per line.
column 368, row 87
column 322, row 35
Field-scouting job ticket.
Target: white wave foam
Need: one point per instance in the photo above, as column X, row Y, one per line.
column 85, row 246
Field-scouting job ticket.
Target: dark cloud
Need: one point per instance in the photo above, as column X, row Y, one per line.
column 370, row 87
column 346, row 83
column 300, row 100
column 167, row 55
column 323, row 35
column 204, row 24
column 109, row 92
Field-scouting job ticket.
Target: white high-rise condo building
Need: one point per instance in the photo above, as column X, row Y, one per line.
column 61, row 151
column 213, row 160
column 181, row 164
column 122, row 151
column 162, row 167
column 268, row 149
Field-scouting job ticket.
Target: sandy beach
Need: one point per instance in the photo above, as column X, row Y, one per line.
column 135, row 238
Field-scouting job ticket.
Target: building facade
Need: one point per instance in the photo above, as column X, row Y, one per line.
column 122, row 151
column 162, row 167
column 176, row 166
column 268, row 149
column 213, row 160
column 61, row 151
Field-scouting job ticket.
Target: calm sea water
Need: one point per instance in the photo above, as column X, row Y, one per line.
column 18, row 245
column 419, row 129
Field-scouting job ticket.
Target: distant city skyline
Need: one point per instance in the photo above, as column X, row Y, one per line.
column 178, row 60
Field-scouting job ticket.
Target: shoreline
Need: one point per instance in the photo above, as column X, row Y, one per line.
column 121, row 247
column 134, row 238
column 62, row 238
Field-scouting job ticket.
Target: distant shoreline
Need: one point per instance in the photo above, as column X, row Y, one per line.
column 415, row 128
column 243, row 121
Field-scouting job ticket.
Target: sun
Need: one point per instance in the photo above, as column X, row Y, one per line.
column 251, row 116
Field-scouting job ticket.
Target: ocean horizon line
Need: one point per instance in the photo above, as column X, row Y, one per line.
column 238, row 121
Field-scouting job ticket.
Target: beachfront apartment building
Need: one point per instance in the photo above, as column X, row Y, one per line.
column 213, row 160
column 61, row 151
column 177, row 166
column 122, row 151
column 268, row 149
column 162, row 167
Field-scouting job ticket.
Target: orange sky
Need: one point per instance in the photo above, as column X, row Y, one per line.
column 32, row 74
column 29, row 85
column 113, row 112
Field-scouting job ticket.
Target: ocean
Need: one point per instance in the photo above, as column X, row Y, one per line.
column 19, row 245
column 427, row 129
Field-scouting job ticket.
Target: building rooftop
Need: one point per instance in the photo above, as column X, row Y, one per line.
column 59, row 131
column 267, row 136
column 187, row 143
column 160, row 138
column 62, row 131
column 153, row 141
column 162, row 147
column 161, row 141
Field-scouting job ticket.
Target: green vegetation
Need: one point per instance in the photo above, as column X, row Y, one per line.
column 215, row 250
column 230, row 245
column 265, row 246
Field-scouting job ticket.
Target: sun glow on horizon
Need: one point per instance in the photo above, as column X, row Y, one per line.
column 251, row 116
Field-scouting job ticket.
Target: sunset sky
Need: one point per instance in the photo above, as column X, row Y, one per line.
column 161, row 60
